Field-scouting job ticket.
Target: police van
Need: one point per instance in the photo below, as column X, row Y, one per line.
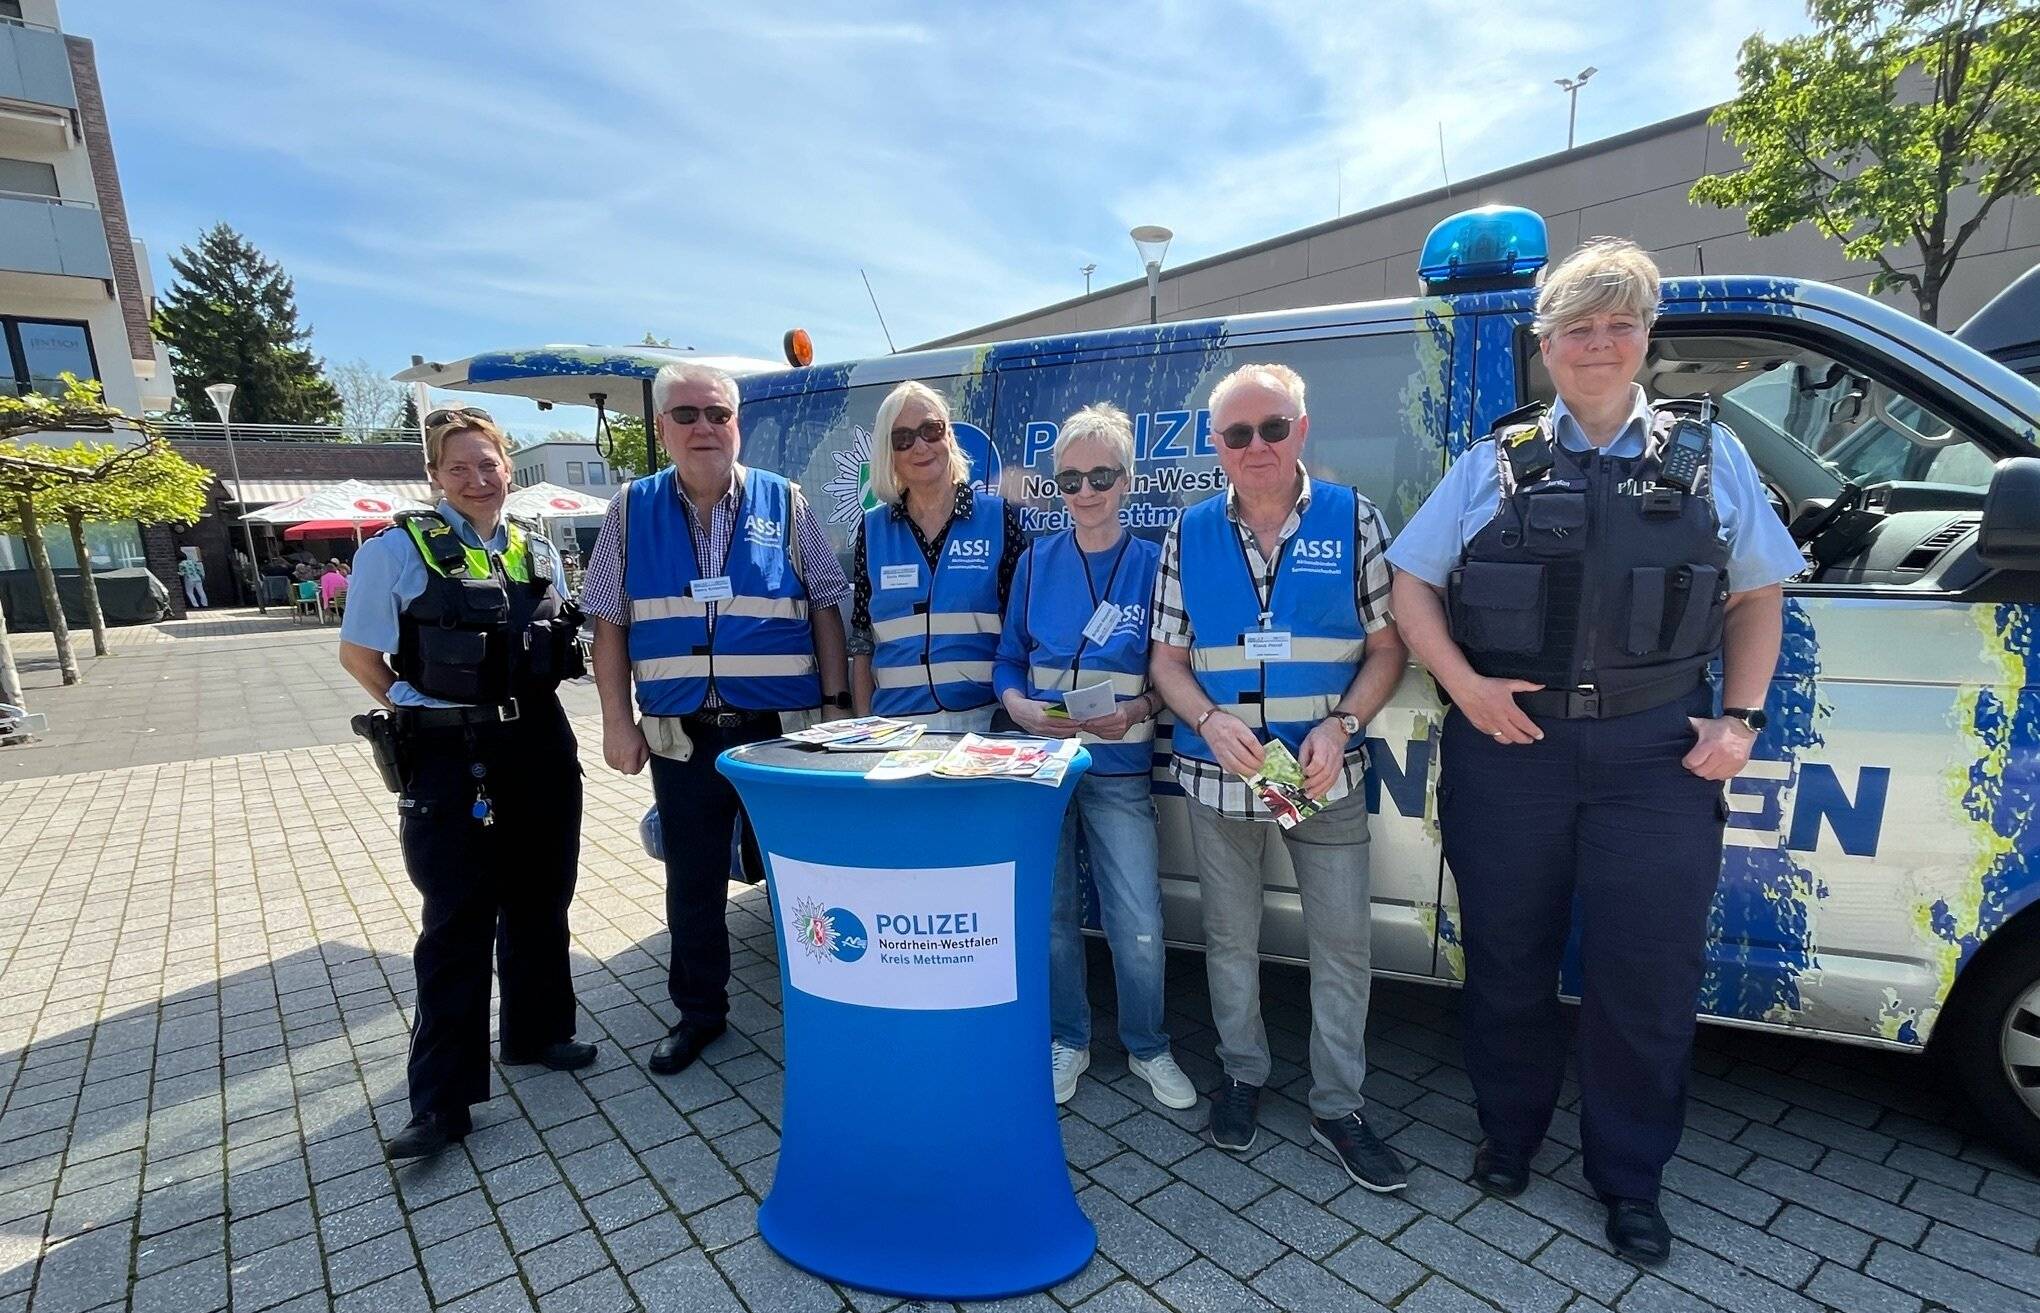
column 1883, row 847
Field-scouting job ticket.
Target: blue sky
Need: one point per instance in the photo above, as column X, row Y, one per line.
column 449, row 177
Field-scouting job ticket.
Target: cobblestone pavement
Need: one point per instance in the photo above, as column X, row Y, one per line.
column 207, row 984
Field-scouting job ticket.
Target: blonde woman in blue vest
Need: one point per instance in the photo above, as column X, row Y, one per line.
column 931, row 570
column 1078, row 618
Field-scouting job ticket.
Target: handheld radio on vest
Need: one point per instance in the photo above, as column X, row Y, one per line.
column 1686, row 446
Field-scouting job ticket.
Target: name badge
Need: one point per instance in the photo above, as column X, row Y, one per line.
column 899, row 576
column 1103, row 621
column 1267, row 645
column 711, row 590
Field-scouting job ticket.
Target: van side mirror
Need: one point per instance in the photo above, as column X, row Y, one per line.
column 2010, row 536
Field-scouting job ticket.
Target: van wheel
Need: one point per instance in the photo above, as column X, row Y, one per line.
column 1993, row 1041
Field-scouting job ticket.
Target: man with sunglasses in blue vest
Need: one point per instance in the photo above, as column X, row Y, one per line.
column 1271, row 623
column 715, row 593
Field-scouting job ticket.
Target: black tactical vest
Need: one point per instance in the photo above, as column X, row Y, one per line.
column 483, row 639
column 1595, row 573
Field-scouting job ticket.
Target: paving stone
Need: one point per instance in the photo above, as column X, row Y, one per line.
column 1837, row 1201
column 523, row 1177
column 1377, row 1214
column 1212, row 1229
column 1938, row 1283
column 538, row 1218
column 451, row 1217
column 1481, row 1268
column 251, row 1235
column 467, row 1263
column 1377, row 1270
column 1135, row 1243
column 728, row 1223
column 1592, row 1271
column 1861, row 1174
column 644, row 1118
column 602, row 1292
column 1837, row 1287
column 278, row 1274
column 650, row 1241
column 612, row 1210
column 1129, row 1176
column 1085, row 1146
column 1156, row 1138
column 369, row 1262
column 506, row 1296
column 685, row 1283
column 174, row 1248
column 1737, row 1242
column 1973, row 1214
column 1723, row 1284
column 1724, row 1193
column 1507, row 1228
column 1440, row 1296
column 1205, row 1287
column 1299, row 1223
column 1923, row 1162
column 1224, row 1177
column 2019, row 1192
column 690, row 1174
column 197, row 1287
column 1122, row 1297
column 763, row 1279
column 2014, row 1267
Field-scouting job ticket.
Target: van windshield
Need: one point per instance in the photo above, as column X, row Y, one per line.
column 1860, row 431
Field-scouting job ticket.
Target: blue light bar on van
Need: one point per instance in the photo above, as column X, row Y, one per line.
column 1493, row 246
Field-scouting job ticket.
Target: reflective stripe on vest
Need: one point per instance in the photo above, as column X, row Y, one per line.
column 1313, row 600
column 759, row 655
column 1064, row 590
column 934, row 642
column 425, row 530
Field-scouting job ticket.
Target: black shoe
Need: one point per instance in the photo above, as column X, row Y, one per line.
column 1371, row 1164
column 1638, row 1232
column 563, row 1056
column 683, row 1045
column 1234, row 1113
column 427, row 1134
column 1503, row 1173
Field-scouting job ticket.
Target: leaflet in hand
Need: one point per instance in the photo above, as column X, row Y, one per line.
column 1037, row 761
column 1279, row 785
column 1090, row 703
column 864, row 734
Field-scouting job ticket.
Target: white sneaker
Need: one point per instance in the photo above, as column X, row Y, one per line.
column 1067, row 1064
column 1172, row 1088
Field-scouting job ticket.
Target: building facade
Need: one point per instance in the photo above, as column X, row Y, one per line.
column 577, row 465
column 1634, row 185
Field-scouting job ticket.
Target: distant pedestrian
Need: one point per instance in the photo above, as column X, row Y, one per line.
column 244, row 574
column 192, row 571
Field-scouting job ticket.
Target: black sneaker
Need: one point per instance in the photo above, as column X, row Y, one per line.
column 1235, row 1110
column 1371, row 1164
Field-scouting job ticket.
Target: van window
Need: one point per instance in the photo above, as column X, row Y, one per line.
column 1378, row 406
column 1861, row 429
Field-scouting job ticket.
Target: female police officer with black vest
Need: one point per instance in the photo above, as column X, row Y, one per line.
column 475, row 613
column 1568, row 584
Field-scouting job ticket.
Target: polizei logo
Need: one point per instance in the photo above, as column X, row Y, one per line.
column 829, row 932
column 940, row 939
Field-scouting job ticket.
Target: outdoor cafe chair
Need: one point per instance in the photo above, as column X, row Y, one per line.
column 308, row 602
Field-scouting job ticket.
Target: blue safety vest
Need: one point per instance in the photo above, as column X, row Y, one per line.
column 760, row 655
column 1064, row 591
column 934, row 639
column 1312, row 600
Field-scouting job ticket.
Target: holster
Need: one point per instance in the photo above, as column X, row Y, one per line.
column 386, row 744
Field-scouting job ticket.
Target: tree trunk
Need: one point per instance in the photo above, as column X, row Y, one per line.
column 93, row 612
column 10, row 677
column 53, row 605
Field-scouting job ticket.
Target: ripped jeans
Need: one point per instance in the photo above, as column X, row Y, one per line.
column 1117, row 813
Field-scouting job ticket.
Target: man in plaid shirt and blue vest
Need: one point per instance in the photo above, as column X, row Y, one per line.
column 714, row 593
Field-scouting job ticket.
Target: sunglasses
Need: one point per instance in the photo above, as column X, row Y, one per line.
column 450, row 415
column 685, row 416
column 1273, row 429
column 931, row 432
column 1100, row 479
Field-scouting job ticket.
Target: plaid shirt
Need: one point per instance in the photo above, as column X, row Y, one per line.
column 1214, row 785
column 602, row 590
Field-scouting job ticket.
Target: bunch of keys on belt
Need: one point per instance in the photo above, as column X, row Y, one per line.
column 482, row 811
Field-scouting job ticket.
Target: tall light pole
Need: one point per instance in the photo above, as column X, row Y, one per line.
column 1571, row 86
column 1087, row 271
column 222, row 398
column 1152, row 241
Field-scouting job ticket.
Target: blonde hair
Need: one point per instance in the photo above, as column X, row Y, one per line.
column 1104, row 423
column 469, row 419
column 1280, row 377
column 885, row 477
column 1607, row 274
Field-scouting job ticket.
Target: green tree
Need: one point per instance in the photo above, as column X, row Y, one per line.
column 1868, row 126
column 232, row 317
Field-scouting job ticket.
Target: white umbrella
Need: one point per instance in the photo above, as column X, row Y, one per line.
column 350, row 503
column 549, row 501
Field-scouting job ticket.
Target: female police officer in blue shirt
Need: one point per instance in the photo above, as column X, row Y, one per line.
column 475, row 613
column 1568, row 584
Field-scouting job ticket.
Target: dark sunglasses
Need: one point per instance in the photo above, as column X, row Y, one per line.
column 1273, row 429
column 685, row 416
column 456, row 415
column 1100, row 479
column 931, row 432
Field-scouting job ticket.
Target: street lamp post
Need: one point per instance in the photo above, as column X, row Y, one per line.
column 1571, row 86
column 1087, row 271
column 222, row 398
column 1152, row 241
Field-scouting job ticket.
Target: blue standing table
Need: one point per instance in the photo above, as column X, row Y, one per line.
column 920, row 1153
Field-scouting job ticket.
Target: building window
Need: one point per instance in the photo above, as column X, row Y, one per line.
column 28, row 177
column 11, row 9
column 40, row 349
column 574, row 475
column 596, row 474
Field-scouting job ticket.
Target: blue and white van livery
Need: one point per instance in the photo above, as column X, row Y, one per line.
column 1883, row 859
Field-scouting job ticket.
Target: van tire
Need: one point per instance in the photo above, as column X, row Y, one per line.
column 1999, row 1000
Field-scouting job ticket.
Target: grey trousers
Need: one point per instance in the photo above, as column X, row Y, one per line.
column 1329, row 853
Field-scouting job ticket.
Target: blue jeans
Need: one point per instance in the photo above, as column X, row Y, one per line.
column 1118, row 816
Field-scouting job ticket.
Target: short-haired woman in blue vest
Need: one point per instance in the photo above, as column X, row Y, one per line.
column 931, row 571
column 1078, row 618
column 475, row 614
column 1567, row 584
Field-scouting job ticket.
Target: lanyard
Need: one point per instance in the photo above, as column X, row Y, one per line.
column 1091, row 586
column 1264, row 602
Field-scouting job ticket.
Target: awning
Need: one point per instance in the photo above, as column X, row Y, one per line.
column 267, row 492
column 334, row 529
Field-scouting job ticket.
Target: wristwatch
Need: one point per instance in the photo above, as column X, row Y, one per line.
column 1753, row 717
column 1347, row 720
column 840, row 701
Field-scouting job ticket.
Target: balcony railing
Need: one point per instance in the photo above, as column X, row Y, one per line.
column 193, row 431
column 46, row 235
column 34, row 65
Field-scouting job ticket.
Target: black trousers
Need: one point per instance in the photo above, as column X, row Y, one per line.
column 506, row 884
column 698, row 811
column 1599, row 814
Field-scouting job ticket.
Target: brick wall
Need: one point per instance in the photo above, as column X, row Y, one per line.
column 120, row 243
